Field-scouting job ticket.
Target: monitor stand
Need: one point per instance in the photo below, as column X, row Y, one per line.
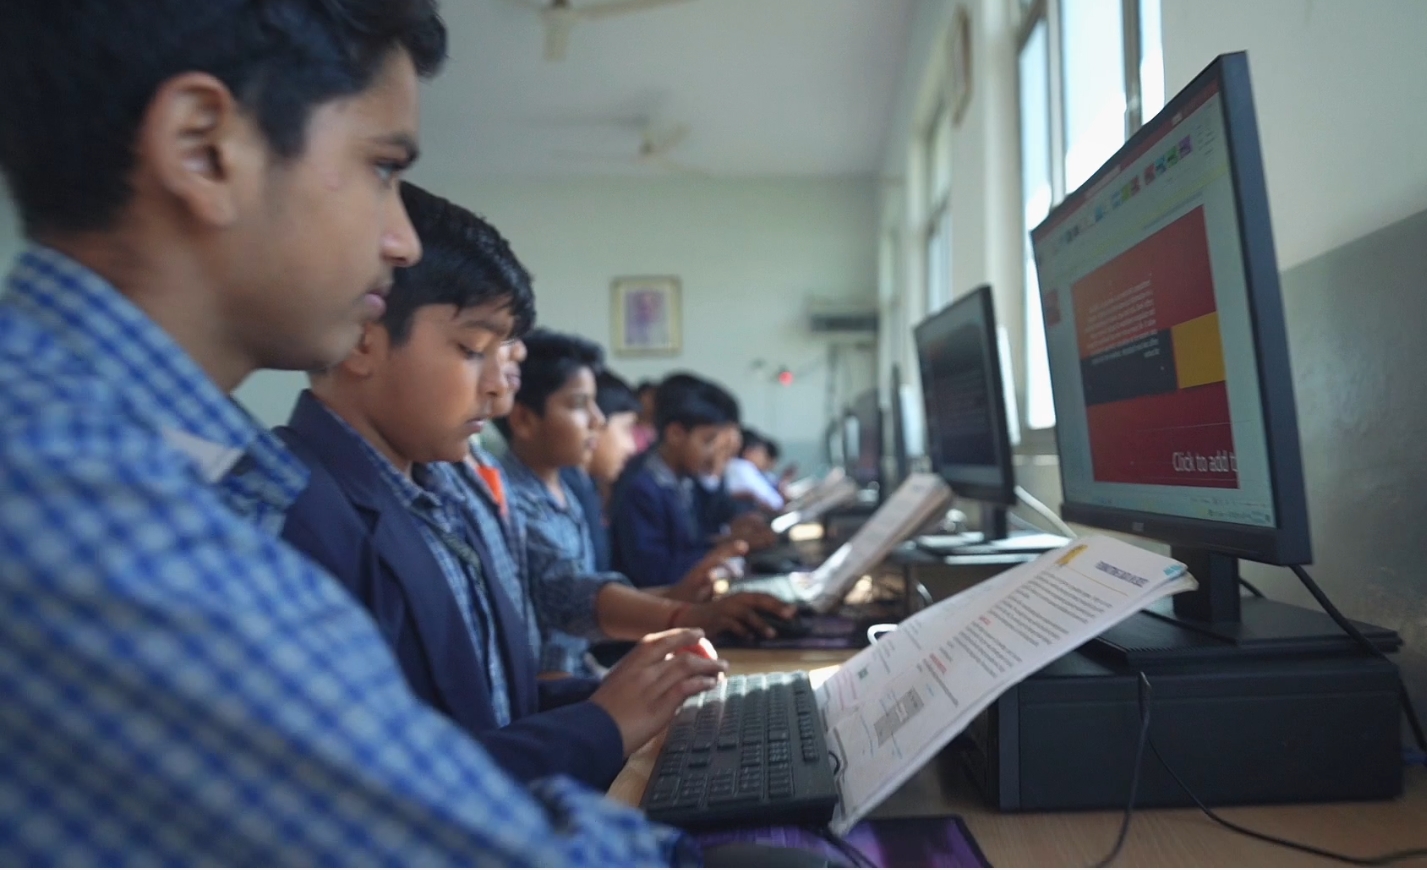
column 994, row 526
column 1216, row 622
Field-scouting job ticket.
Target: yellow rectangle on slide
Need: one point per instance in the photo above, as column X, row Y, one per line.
column 1198, row 351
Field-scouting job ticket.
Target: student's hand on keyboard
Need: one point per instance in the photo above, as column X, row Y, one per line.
column 644, row 691
column 739, row 614
column 698, row 584
column 753, row 530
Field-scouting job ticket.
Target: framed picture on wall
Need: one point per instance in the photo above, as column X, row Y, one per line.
column 646, row 316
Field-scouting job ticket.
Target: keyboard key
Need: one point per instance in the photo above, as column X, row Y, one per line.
column 730, row 758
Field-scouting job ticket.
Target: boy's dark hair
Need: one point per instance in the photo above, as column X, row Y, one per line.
column 645, row 386
column 753, row 438
column 614, row 395
column 552, row 358
column 76, row 77
column 690, row 401
column 465, row 262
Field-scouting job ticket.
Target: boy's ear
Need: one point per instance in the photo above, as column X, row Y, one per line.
column 674, row 434
column 524, row 424
column 371, row 352
column 200, row 150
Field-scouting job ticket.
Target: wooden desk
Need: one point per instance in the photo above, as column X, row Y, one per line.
column 1158, row 838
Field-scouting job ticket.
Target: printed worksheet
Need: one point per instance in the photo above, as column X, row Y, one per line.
column 893, row 706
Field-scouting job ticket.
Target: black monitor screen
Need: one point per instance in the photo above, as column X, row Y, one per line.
column 967, row 438
column 1164, row 331
column 865, row 445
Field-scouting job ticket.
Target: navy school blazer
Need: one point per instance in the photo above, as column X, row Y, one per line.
column 350, row 522
column 656, row 539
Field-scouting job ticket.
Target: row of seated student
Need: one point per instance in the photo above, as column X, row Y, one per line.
column 478, row 566
column 321, row 645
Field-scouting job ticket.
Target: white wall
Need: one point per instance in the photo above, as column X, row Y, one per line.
column 985, row 195
column 1337, row 89
column 749, row 253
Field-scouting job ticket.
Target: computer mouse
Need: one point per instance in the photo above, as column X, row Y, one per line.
column 703, row 649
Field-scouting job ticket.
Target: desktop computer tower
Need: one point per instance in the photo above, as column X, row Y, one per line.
column 1266, row 731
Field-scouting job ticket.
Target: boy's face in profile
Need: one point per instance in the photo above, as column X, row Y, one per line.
column 614, row 447
column 565, row 433
column 694, row 451
column 758, row 455
column 730, row 440
column 513, row 353
column 436, row 389
column 315, row 243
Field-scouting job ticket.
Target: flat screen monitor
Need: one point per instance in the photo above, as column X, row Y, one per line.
column 1169, row 363
column 901, row 453
column 968, row 441
column 865, row 439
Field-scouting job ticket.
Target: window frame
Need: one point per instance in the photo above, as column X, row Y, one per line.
column 1132, row 55
column 936, row 204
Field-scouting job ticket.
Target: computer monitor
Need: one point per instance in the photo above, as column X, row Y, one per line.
column 1169, row 358
column 865, row 446
column 901, row 454
column 968, row 441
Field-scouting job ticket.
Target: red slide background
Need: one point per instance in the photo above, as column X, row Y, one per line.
column 1174, row 260
column 1135, row 440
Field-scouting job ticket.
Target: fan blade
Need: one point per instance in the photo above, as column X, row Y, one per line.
column 622, row 7
column 660, row 141
column 566, row 154
column 558, row 22
column 674, row 166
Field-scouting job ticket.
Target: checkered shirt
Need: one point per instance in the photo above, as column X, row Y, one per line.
column 432, row 496
column 179, row 686
column 563, row 600
column 558, row 549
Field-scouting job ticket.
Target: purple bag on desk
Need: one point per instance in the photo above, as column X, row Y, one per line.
column 939, row 841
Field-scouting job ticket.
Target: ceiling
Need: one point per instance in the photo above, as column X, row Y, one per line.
column 761, row 87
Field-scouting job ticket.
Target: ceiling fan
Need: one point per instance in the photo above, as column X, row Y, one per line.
column 656, row 146
column 559, row 17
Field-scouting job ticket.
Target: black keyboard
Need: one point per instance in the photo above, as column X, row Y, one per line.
column 749, row 751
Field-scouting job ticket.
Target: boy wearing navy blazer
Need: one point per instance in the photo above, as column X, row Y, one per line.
column 386, row 512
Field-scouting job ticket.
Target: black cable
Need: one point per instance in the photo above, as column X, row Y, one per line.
column 1254, row 590
column 1144, row 693
column 851, row 852
column 1374, row 860
column 1328, row 607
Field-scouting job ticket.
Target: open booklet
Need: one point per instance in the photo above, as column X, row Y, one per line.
column 916, row 502
column 889, row 709
column 834, row 491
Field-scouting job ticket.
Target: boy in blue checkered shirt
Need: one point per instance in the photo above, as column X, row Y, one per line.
column 211, row 188
column 554, row 425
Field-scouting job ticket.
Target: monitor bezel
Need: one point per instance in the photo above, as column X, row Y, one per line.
column 1004, row 493
column 1288, row 542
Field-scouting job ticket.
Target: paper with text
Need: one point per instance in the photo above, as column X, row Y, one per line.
column 894, row 705
column 919, row 498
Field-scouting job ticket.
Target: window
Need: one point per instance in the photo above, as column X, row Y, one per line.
column 937, row 208
column 1090, row 72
